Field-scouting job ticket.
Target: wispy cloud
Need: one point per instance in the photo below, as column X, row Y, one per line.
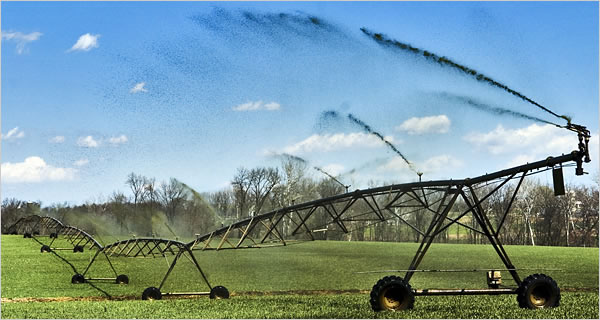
column 531, row 143
column 139, row 87
column 13, row 134
column 433, row 124
column 81, row 162
column 331, row 142
column 85, row 42
column 538, row 139
column 258, row 105
column 57, row 139
column 88, row 142
column 21, row 39
column 118, row 140
column 431, row 165
column 34, row 169
column 334, row 168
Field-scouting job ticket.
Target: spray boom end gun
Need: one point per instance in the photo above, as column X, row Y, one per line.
column 584, row 138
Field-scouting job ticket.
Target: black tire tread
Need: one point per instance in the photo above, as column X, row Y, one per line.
column 384, row 283
column 151, row 293
column 219, row 292
column 521, row 292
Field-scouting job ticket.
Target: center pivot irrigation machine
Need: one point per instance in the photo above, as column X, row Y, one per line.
column 434, row 200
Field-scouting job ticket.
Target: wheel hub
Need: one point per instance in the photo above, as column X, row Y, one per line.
column 392, row 298
column 539, row 296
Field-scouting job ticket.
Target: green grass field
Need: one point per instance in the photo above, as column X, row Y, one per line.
column 267, row 282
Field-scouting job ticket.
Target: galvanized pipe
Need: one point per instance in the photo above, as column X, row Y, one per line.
column 462, row 292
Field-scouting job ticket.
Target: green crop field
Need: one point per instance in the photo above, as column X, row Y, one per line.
column 302, row 280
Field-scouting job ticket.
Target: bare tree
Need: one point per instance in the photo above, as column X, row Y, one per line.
column 10, row 211
column 586, row 216
column 526, row 202
column 223, row 201
column 262, row 181
column 172, row 197
column 241, row 186
column 136, row 183
column 118, row 204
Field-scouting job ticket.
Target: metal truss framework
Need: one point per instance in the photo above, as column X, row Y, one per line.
column 437, row 199
column 434, row 199
column 48, row 228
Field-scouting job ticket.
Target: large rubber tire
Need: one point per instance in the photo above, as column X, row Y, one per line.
column 392, row 293
column 78, row 249
column 77, row 278
column 53, row 235
column 26, row 235
column 151, row 293
column 219, row 292
column 538, row 291
column 122, row 279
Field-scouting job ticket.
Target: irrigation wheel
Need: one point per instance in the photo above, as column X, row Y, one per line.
column 538, row 291
column 77, row 278
column 78, row 249
column 151, row 293
column 219, row 292
column 45, row 248
column 392, row 293
column 26, row 235
column 53, row 235
column 122, row 279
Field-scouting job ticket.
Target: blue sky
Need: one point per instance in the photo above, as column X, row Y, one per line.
column 92, row 91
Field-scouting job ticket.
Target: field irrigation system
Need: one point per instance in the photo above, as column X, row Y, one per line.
column 279, row 261
column 109, row 269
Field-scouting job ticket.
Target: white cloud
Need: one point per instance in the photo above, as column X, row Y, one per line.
column 81, row 162
column 34, row 169
column 333, row 169
column 433, row 124
column 87, row 142
column 118, row 140
column 520, row 160
column 532, row 143
column 139, row 87
column 432, row 165
column 258, row 105
column 331, row 142
column 440, row 163
column 21, row 39
column 58, row 139
column 13, row 134
column 535, row 139
column 85, row 42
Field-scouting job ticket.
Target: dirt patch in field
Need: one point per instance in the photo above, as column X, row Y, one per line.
column 233, row 294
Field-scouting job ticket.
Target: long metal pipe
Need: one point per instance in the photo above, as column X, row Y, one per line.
column 462, row 292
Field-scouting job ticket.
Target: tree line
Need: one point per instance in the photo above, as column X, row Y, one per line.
column 171, row 209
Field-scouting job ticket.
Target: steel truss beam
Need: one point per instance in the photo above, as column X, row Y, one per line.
column 434, row 198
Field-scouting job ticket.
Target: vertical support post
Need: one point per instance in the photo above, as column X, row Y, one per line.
column 198, row 267
column 436, row 223
column 170, row 269
column 486, row 227
column 109, row 263
column 91, row 262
